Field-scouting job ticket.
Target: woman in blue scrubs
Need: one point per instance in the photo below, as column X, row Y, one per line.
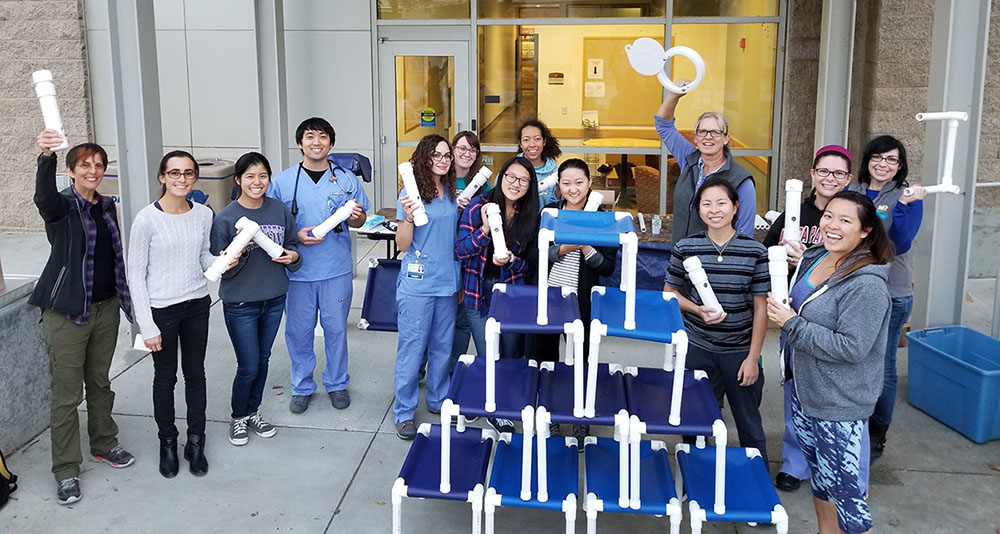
column 427, row 283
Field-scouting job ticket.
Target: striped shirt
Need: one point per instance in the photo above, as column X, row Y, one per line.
column 566, row 271
column 741, row 276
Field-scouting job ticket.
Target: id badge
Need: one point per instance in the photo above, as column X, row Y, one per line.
column 414, row 271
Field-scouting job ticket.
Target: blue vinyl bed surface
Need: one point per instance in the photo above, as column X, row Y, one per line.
column 656, row 483
column 379, row 306
column 596, row 228
column 470, row 456
column 655, row 319
column 750, row 494
column 516, row 309
column 516, row 387
column 649, row 397
column 555, row 392
column 563, row 473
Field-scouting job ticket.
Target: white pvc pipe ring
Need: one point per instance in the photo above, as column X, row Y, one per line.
column 699, row 67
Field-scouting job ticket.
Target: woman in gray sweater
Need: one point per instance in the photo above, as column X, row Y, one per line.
column 837, row 328
column 253, row 290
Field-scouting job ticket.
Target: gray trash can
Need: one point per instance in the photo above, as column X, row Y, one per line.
column 214, row 187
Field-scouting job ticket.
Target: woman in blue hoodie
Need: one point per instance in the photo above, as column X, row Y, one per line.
column 540, row 148
column 837, row 328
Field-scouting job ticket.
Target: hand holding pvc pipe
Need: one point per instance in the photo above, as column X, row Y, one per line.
column 777, row 266
column 247, row 230
column 548, row 183
column 700, row 281
column 342, row 214
column 594, row 201
column 947, row 181
column 272, row 249
column 46, row 92
column 495, row 221
column 793, row 207
column 477, row 182
column 648, row 58
column 410, row 184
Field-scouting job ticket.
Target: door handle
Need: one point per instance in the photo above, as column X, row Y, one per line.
column 474, row 126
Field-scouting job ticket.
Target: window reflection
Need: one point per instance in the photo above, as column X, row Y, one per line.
column 423, row 9
column 510, row 9
column 725, row 8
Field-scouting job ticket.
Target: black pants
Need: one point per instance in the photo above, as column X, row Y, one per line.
column 744, row 401
column 185, row 326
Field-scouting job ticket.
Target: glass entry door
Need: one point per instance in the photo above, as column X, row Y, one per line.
column 424, row 90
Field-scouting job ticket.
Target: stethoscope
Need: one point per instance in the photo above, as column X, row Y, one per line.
column 334, row 179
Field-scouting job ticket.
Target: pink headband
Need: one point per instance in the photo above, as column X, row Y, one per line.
column 837, row 149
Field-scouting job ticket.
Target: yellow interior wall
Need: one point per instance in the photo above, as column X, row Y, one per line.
column 750, row 81
column 497, row 72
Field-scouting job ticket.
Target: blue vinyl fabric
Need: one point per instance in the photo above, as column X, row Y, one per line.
column 648, row 395
column 516, row 309
column 563, row 473
column 379, row 307
column 655, row 319
column 595, row 228
column 750, row 494
column 470, row 458
column 555, row 393
column 656, row 483
column 516, row 387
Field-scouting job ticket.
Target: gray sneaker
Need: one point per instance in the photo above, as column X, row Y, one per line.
column 117, row 457
column 238, row 434
column 406, row 430
column 299, row 404
column 69, row 491
column 340, row 399
column 261, row 427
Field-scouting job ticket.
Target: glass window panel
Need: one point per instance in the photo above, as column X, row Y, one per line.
column 507, row 9
column 725, row 8
column 423, row 9
column 424, row 103
column 760, row 169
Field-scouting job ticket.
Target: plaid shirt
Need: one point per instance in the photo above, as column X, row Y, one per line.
column 473, row 245
column 124, row 297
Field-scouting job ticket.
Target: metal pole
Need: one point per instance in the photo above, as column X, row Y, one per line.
column 995, row 325
column 270, row 34
column 941, row 249
column 836, row 53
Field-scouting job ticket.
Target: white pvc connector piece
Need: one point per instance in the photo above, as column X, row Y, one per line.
column 700, row 281
column 594, row 201
column 947, row 181
column 495, row 220
column 649, row 59
column 342, row 214
column 45, row 89
column 477, row 182
column 642, row 223
column 247, row 231
column 793, row 206
column 777, row 266
column 272, row 249
column 548, row 183
column 410, row 184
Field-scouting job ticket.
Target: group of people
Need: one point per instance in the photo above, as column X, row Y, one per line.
column 850, row 291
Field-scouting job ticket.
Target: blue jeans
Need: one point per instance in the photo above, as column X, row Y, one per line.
column 463, row 333
column 511, row 345
column 252, row 328
column 901, row 308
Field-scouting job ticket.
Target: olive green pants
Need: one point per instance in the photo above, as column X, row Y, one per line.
column 81, row 355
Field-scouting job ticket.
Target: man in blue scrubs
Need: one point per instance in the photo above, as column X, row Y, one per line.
column 313, row 190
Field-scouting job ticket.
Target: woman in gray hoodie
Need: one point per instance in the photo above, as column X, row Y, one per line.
column 837, row 328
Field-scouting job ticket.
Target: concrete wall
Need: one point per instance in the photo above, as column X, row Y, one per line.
column 36, row 35
column 24, row 397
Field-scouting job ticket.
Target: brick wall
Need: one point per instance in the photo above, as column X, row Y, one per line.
column 36, row 35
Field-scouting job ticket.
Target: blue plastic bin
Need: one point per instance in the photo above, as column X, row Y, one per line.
column 955, row 378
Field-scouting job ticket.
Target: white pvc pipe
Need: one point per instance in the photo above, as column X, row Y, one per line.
column 636, row 429
column 642, row 223
column 342, row 214
column 630, row 244
column 445, row 486
column 495, row 220
column 477, row 182
column 596, row 330
column 542, row 419
column 777, row 266
column 700, row 281
column 947, row 180
column 548, row 183
column 622, row 433
column 45, row 90
column 492, row 354
column 272, row 249
column 247, row 230
column 720, row 433
column 410, row 184
column 680, row 340
column 648, row 58
column 545, row 237
column 528, row 425
column 594, row 201
column 793, row 206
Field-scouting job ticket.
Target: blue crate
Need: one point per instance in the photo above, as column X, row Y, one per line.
column 955, row 378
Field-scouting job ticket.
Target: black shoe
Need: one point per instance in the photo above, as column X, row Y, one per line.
column 580, row 432
column 169, row 465
column 786, row 482
column 194, row 453
column 68, row 491
column 877, row 432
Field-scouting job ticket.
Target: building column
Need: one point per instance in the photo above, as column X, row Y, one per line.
column 836, row 55
column 270, row 35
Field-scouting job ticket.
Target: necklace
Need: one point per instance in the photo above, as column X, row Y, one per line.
column 724, row 245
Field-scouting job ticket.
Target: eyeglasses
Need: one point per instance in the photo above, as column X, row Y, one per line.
column 85, row 167
column 466, row 150
column 706, row 133
column 515, row 179
column 437, row 156
column 175, row 174
column 889, row 160
column 823, row 173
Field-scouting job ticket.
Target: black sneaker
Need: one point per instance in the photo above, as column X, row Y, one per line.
column 406, row 430
column 786, row 482
column 117, row 457
column 501, row 425
column 238, row 434
column 340, row 399
column 69, row 491
column 554, row 429
column 261, row 426
column 580, row 432
column 299, row 403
